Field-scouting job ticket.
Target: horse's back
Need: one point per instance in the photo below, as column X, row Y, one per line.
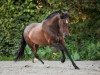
column 29, row 27
column 27, row 31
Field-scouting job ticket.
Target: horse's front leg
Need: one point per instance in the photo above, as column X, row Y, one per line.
column 62, row 47
column 55, row 45
column 63, row 57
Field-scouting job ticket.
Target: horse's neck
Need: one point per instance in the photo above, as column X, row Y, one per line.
column 54, row 20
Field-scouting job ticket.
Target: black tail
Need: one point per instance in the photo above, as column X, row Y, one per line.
column 20, row 52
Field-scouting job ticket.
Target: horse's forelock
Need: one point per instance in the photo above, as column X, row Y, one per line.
column 64, row 15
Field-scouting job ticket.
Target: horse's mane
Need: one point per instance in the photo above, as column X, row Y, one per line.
column 64, row 15
column 53, row 14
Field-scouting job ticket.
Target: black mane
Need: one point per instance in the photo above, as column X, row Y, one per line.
column 53, row 14
column 63, row 15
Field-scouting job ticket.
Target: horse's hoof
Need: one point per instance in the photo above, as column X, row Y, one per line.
column 47, row 66
column 42, row 62
column 62, row 60
column 77, row 68
column 35, row 60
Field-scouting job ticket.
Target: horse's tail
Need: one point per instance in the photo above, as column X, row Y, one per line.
column 20, row 52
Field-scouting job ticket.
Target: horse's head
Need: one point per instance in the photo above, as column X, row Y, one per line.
column 59, row 21
column 64, row 24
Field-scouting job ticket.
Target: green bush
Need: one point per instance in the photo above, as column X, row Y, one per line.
column 83, row 44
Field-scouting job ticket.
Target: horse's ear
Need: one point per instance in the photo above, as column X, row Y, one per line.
column 65, row 15
column 61, row 15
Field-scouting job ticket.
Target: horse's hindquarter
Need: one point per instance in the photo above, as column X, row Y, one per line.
column 36, row 35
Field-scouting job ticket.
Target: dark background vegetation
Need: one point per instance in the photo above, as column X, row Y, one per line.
column 84, row 42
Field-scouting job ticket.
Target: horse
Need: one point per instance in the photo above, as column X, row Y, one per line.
column 51, row 32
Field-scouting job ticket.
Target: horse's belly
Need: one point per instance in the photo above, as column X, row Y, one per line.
column 39, row 39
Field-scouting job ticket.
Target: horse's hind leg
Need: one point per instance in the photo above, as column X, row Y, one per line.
column 34, row 50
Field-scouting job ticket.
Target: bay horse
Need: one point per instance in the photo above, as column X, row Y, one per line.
column 50, row 31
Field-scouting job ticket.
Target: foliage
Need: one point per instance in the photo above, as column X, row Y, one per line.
column 83, row 44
